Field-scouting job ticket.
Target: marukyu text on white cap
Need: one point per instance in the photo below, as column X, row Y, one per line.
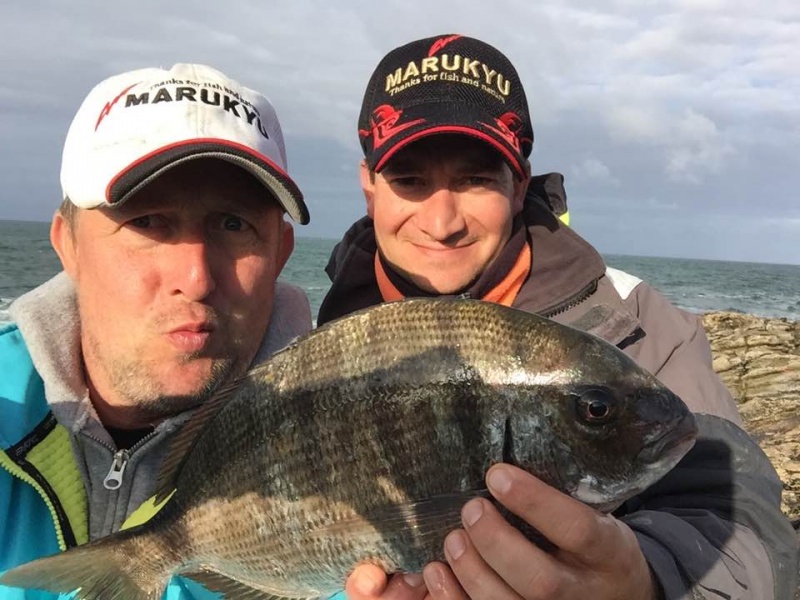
column 134, row 126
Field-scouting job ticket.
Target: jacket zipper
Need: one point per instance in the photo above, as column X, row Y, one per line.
column 572, row 302
column 113, row 480
column 114, row 476
column 561, row 307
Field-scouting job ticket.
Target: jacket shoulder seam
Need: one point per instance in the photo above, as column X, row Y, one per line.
column 624, row 283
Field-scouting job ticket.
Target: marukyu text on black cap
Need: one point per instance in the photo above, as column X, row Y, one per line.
column 445, row 84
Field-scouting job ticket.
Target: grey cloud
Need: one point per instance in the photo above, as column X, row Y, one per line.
column 680, row 113
column 594, row 171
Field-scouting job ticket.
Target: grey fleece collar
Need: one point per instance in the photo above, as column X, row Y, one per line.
column 47, row 317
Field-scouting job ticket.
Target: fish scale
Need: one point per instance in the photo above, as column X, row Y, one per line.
column 361, row 442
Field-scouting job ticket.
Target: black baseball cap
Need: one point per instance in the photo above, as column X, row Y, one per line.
column 445, row 84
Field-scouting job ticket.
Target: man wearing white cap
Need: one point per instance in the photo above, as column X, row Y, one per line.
column 171, row 235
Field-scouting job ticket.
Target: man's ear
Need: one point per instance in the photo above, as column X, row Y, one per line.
column 520, row 189
column 62, row 238
column 287, row 245
column 368, row 186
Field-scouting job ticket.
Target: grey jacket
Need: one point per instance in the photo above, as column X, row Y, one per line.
column 712, row 528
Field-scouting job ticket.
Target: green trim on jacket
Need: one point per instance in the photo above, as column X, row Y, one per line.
column 44, row 460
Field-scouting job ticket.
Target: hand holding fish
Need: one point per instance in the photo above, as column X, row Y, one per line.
column 595, row 553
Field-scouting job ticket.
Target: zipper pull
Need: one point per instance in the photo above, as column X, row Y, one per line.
column 113, row 480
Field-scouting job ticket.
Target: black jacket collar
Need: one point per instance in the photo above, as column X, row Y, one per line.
column 564, row 265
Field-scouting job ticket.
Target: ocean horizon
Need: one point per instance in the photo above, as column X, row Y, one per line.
column 697, row 285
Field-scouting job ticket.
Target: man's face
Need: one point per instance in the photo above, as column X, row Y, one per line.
column 174, row 287
column 443, row 209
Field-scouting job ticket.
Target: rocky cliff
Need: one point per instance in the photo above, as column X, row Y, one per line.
column 759, row 360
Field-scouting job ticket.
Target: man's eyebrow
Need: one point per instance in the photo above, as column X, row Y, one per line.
column 128, row 209
column 465, row 162
column 479, row 162
column 404, row 165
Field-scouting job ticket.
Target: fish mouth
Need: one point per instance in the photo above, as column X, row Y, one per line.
column 672, row 444
column 656, row 459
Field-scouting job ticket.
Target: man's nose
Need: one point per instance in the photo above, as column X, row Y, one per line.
column 439, row 214
column 191, row 270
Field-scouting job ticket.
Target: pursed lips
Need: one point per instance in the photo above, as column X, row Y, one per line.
column 191, row 336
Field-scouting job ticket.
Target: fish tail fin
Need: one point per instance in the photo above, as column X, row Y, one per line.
column 118, row 566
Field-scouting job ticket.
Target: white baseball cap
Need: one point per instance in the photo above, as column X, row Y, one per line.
column 133, row 127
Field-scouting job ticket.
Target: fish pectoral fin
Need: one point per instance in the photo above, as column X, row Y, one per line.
column 427, row 517
column 186, row 437
column 231, row 588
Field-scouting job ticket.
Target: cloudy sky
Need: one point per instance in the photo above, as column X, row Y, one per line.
column 675, row 123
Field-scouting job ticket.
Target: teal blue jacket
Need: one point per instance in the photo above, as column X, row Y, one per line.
column 42, row 499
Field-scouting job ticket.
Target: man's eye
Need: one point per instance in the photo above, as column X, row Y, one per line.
column 154, row 221
column 233, row 223
column 478, row 180
column 141, row 222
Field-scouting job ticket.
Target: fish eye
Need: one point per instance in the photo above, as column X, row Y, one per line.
column 594, row 405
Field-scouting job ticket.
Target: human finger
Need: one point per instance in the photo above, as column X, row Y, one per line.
column 474, row 574
column 369, row 582
column 569, row 524
column 519, row 563
column 442, row 583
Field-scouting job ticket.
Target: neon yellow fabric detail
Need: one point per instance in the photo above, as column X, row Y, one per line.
column 145, row 512
column 12, row 467
column 53, row 458
column 564, row 218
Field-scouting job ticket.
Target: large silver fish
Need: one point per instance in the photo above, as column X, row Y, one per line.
column 362, row 441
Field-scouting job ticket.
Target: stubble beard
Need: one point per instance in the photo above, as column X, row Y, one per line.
column 143, row 398
column 153, row 405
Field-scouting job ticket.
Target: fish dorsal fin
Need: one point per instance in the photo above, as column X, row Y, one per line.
column 230, row 588
column 187, row 436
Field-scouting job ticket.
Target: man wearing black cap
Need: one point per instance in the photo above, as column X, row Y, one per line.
column 452, row 210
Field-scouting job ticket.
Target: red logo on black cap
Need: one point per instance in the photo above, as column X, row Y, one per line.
column 441, row 43
column 509, row 126
column 384, row 124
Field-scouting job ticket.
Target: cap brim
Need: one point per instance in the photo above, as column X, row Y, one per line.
column 451, row 118
column 143, row 171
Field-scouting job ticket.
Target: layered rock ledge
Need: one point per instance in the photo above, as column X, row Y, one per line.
column 759, row 360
